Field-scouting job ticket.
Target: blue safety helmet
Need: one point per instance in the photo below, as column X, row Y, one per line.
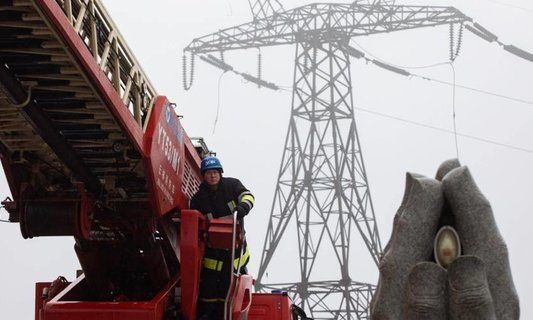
column 211, row 163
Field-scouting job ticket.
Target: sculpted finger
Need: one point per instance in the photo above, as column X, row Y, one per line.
column 472, row 211
column 426, row 287
column 409, row 180
column 411, row 242
column 469, row 293
column 480, row 236
column 446, row 167
column 418, row 219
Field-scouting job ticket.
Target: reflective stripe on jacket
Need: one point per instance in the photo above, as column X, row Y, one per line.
column 216, row 265
column 222, row 201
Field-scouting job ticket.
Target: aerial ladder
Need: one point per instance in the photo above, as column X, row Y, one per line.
column 91, row 150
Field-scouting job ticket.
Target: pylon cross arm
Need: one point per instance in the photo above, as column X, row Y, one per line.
column 325, row 22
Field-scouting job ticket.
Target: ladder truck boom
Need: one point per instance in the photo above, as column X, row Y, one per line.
column 91, row 150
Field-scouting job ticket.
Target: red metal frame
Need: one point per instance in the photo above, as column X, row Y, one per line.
column 71, row 303
column 97, row 77
column 191, row 254
column 270, row 307
column 59, row 308
column 164, row 143
column 39, row 299
column 242, row 297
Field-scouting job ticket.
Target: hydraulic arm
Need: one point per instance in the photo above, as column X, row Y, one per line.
column 92, row 152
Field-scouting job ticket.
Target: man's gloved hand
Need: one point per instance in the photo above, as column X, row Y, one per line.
column 478, row 285
column 242, row 210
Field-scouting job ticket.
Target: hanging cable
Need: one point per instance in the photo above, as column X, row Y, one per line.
column 230, row 8
column 453, row 56
column 515, row 99
column 454, row 115
column 218, row 102
column 28, row 99
column 259, row 67
column 455, row 48
column 454, row 52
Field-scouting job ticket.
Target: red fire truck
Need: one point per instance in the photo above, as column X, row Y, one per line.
column 90, row 150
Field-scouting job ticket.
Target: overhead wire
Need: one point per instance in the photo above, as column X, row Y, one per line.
column 453, row 132
column 424, row 125
column 394, row 68
column 454, row 115
column 454, row 85
column 455, row 49
column 230, row 8
column 482, row 91
column 218, row 101
column 437, row 64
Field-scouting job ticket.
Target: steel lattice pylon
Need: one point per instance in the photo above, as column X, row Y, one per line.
column 322, row 184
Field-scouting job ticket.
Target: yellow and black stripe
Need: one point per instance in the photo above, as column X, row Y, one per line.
column 248, row 198
column 216, row 265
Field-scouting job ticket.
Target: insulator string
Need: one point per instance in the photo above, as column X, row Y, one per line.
column 187, row 80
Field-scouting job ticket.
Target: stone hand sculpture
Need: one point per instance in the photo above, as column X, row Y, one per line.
column 476, row 285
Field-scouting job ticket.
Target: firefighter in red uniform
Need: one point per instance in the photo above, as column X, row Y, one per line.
column 219, row 197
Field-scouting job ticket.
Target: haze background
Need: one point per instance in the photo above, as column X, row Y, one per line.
column 252, row 125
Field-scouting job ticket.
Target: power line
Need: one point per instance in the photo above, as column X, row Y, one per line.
column 230, row 8
column 454, row 85
column 453, row 110
column 475, row 89
column 218, row 102
column 441, row 81
column 420, row 124
column 437, row 64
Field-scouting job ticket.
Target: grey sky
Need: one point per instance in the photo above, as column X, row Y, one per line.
column 252, row 125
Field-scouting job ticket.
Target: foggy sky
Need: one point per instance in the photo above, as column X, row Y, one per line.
column 252, row 125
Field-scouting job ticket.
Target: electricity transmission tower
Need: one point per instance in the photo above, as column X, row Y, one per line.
column 322, row 183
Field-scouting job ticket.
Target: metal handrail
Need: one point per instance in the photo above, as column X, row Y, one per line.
column 229, row 315
column 91, row 21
